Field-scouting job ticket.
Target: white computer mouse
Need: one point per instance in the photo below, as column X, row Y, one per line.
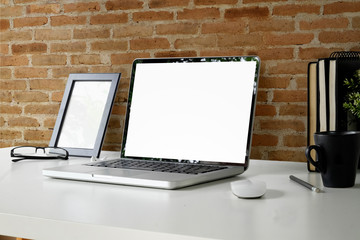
column 248, row 188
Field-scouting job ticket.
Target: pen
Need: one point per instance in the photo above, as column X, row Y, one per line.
column 305, row 184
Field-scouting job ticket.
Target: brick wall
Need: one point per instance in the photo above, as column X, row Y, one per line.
column 43, row 41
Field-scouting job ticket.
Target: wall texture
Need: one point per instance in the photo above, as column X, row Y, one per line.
column 43, row 41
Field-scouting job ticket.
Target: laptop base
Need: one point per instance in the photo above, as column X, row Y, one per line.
column 137, row 177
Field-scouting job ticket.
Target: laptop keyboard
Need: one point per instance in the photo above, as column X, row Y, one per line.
column 171, row 167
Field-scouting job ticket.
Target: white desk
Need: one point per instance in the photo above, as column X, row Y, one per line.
column 38, row 207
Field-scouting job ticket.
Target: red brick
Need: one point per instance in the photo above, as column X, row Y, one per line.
column 29, row 48
column 200, row 13
column 214, row 2
column 270, row 25
column 13, row 11
column 49, row 122
column 168, row 3
column 2, row 122
column 292, row 10
column 46, row 60
column 23, row 122
column 246, row 12
column 30, row 72
column 109, row 45
column 265, row 110
column 6, row 96
column 262, row 96
column 222, row 52
column 109, row 18
column 30, row 21
column 49, row 108
column 52, row 34
column 112, row 137
column 195, row 42
column 177, row 28
column 65, row 71
column 67, row 20
column 14, row 61
column 264, row 140
column 288, row 67
column 149, row 43
column 290, row 96
column 123, row 5
column 224, row 27
column 273, row 53
column 10, row 109
column 127, row 58
column 47, row 84
column 121, row 97
column 12, row 85
column 125, row 82
column 133, row 30
column 153, row 16
column 123, row 69
column 316, row 52
column 176, row 54
column 263, row 1
column 323, row 23
column 91, row 33
column 274, row 82
column 257, row 153
column 44, row 8
column 277, row 124
column 31, row 135
column 114, row 121
column 9, row 134
column 87, row 59
column 4, row 49
column 119, row 110
column 82, row 7
column 30, row 96
column 57, row 96
column 11, row 36
column 341, row 7
column 356, row 22
column 301, row 82
column 288, row 38
column 107, row 147
column 4, row 24
column 252, row 39
column 5, row 73
column 293, row 110
column 339, row 37
column 68, row 47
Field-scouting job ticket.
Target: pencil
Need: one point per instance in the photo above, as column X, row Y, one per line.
column 305, row 184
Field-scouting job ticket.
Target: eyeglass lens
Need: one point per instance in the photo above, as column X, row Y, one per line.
column 36, row 151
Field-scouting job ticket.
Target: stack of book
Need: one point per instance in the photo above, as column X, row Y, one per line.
column 330, row 83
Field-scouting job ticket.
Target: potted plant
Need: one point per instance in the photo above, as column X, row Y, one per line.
column 352, row 100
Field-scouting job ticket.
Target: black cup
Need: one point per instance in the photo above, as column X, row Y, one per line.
column 338, row 154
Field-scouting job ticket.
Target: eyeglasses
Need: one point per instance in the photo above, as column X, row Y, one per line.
column 29, row 152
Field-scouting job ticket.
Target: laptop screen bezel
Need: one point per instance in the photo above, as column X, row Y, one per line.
column 195, row 59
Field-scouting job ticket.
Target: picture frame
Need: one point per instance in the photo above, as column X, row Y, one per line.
column 84, row 113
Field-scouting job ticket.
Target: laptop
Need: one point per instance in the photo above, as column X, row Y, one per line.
column 188, row 121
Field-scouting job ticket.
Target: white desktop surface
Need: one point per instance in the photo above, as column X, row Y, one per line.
column 37, row 207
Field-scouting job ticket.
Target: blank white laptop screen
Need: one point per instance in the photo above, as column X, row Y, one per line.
column 191, row 111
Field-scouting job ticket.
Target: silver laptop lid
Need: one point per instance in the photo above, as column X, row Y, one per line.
column 191, row 109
